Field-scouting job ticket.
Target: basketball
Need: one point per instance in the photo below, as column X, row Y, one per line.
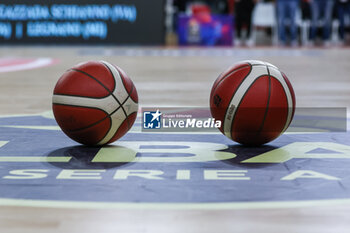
column 95, row 103
column 255, row 102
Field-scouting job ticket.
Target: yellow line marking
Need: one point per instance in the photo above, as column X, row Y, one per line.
column 179, row 206
column 40, row 127
column 34, row 159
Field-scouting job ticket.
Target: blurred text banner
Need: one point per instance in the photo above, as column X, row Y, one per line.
column 126, row 22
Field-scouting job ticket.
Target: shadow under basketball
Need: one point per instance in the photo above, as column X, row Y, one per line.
column 82, row 158
column 245, row 152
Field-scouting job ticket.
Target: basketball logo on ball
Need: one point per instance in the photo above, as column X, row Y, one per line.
column 95, row 103
column 254, row 101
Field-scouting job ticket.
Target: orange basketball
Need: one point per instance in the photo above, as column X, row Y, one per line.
column 95, row 103
column 254, row 101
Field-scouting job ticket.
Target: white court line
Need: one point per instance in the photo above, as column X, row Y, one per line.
column 38, row 62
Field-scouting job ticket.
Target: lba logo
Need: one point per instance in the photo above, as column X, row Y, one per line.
column 151, row 120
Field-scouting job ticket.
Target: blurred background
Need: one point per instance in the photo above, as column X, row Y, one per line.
column 237, row 23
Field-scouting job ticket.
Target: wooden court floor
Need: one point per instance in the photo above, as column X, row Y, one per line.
column 170, row 77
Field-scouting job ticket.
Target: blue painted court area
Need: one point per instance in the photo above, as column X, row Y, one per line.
column 38, row 162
